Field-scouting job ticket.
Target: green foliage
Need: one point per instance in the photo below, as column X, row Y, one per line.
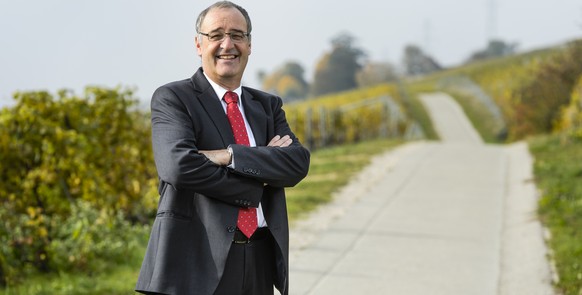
column 118, row 279
column 345, row 120
column 530, row 89
column 558, row 171
column 539, row 103
column 93, row 240
column 60, row 156
column 571, row 118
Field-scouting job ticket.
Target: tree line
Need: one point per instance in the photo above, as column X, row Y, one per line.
column 346, row 67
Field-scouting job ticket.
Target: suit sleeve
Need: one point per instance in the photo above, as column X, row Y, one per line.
column 179, row 163
column 275, row 166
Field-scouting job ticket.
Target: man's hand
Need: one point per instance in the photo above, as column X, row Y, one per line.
column 279, row 141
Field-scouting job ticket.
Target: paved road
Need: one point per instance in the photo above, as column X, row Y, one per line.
column 449, row 217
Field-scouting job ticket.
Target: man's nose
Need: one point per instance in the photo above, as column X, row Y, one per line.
column 227, row 42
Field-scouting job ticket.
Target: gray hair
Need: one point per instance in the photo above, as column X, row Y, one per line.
column 224, row 4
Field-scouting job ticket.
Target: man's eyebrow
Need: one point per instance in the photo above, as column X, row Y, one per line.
column 216, row 31
column 220, row 30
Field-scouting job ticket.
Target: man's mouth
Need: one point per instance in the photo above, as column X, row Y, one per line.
column 227, row 56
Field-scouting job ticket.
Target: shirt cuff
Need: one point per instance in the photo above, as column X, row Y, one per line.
column 231, row 164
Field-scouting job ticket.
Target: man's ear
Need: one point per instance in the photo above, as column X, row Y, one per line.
column 198, row 45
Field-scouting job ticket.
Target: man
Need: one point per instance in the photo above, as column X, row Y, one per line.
column 223, row 154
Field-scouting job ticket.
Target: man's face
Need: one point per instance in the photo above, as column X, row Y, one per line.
column 223, row 61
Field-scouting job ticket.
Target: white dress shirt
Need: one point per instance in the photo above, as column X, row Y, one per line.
column 220, row 92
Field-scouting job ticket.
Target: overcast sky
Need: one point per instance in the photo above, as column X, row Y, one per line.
column 54, row 44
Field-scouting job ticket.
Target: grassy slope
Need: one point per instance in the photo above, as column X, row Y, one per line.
column 558, row 171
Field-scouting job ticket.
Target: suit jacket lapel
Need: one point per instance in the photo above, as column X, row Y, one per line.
column 212, row 106
column 255, row 115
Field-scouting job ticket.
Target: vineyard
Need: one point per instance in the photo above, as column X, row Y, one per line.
column 530, row 90
column 377, row 112
column 78, row 182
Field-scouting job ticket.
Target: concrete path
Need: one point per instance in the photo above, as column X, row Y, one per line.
column 449, row 217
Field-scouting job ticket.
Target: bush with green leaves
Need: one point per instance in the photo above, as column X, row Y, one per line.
column 92, row 240
column 60, row 155
column 571, row 119
column 539, row 103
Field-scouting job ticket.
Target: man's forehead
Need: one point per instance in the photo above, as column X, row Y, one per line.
column 217, row 18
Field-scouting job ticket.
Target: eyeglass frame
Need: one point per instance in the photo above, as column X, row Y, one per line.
column 229, row 34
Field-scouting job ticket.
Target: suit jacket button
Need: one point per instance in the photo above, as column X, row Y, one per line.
column 230, row 229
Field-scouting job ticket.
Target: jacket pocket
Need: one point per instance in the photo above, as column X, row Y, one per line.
column 176, row 204
column 173, row 215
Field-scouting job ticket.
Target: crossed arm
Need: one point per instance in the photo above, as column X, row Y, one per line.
column 223, row 157
column 283, row 162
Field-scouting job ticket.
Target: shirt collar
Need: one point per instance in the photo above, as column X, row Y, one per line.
column 220, row 91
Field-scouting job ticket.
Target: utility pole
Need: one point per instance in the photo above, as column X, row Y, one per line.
column 492, row 20
column 426, row 42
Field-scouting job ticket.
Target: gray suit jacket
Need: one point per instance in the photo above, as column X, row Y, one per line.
column 199, row 201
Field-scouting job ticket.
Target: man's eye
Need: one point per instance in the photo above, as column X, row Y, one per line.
column 216, row 37
column 237, row 37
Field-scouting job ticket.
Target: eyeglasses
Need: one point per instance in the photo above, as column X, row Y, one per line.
column 236, row 37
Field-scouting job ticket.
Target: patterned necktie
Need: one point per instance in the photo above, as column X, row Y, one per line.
column 247, row 217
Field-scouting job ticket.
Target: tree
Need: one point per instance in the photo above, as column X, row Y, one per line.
column 376, row 73
column 336, row 70
column 287, row 81
column 417, row 62
column 495, row 48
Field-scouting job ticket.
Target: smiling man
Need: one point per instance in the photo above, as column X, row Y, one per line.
column 226, row 52
column 224, row 154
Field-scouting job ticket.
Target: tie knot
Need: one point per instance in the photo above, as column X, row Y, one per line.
column 230, row 97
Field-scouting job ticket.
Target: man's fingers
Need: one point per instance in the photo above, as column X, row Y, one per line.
column 279, row 141
column 274, row 140
column 287, row 142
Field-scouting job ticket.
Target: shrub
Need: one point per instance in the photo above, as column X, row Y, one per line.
column 90, row 239
column 571, row 119
column 539, row 103
column 63, row 158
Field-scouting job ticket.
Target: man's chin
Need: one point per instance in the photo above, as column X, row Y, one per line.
column 229, row 72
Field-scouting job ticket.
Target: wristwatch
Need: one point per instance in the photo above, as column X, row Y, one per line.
column 229, row 150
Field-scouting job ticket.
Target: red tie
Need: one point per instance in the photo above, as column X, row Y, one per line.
column 247, row 217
